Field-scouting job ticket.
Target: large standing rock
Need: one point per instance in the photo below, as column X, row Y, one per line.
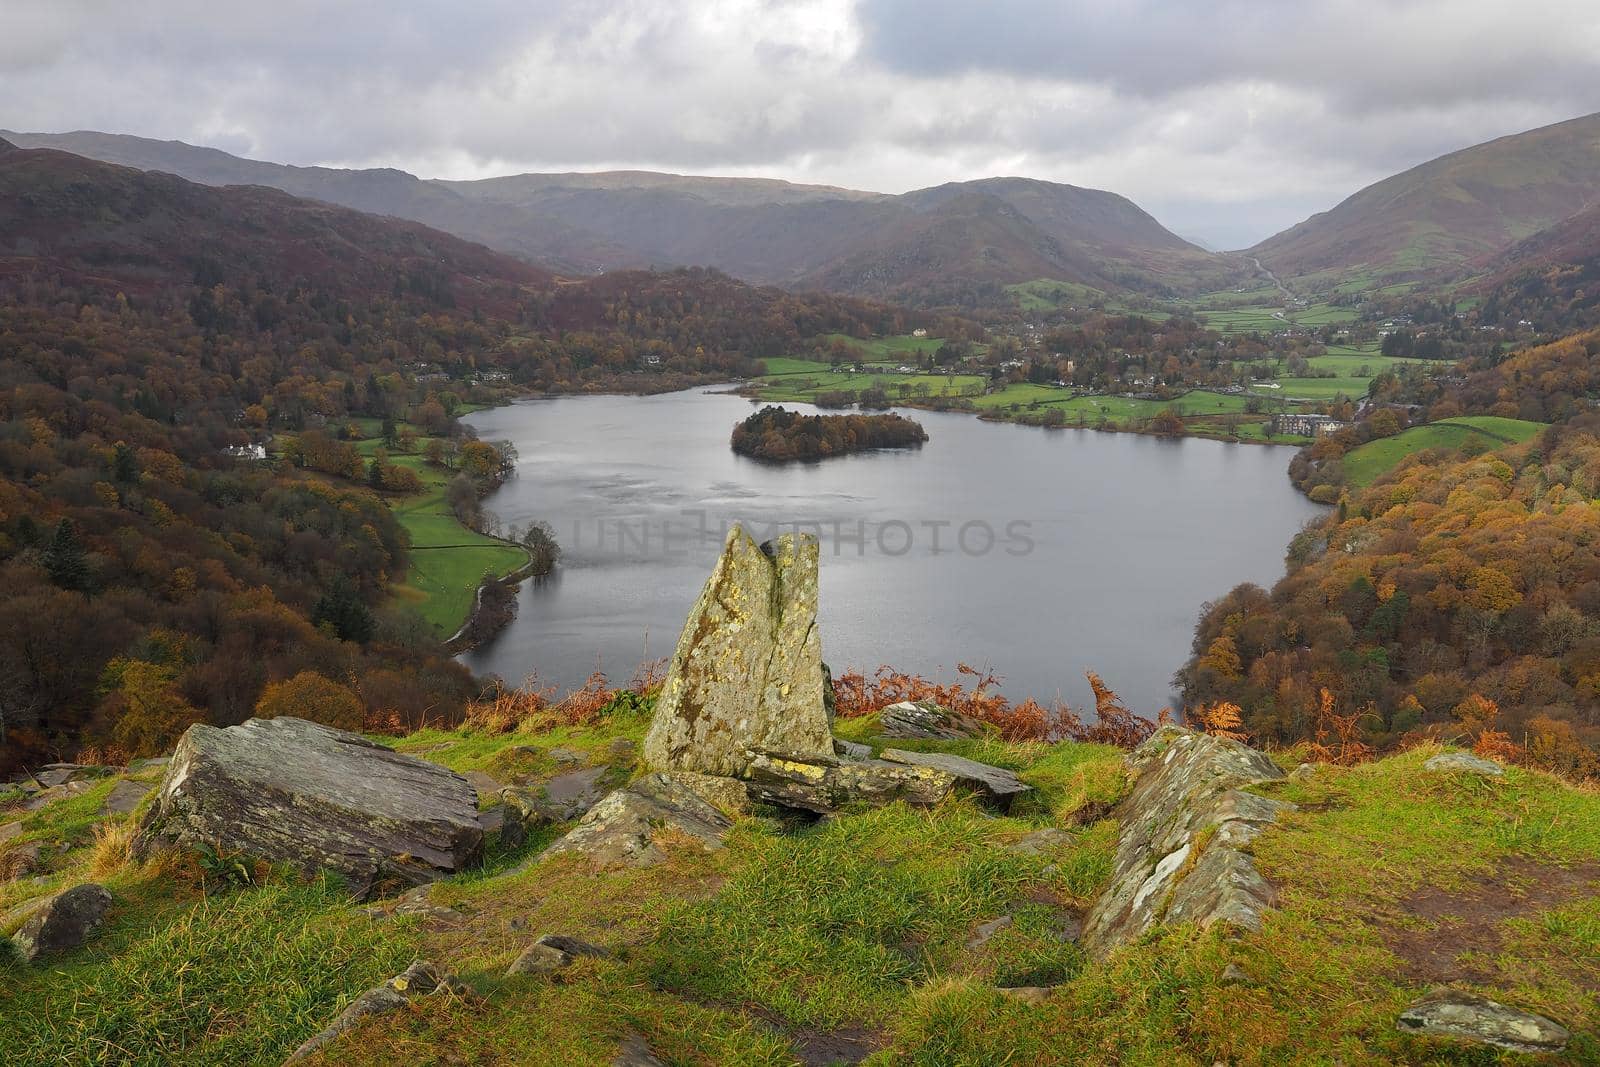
column 1455, row 1013
column 624, row 827
column 747, row 672
column 292, row 791
column 63, row 922
column 1187, row 797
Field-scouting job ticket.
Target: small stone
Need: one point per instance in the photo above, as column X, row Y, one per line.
column 567, row 755
column 10, row 830
column 1303, row 773
column 539, row 959
column 1233, row 974
column 1463, row 762
column 1028, row 994
column 553, row 953
column 64, row 922
column 1454, row 1013
column 486, row 784
column 851, row 750
column 985, row 931
column 635, row 1052
column 560, row 799
column 19, row 861
column 1038, row 842
column 622, row 750
column 125, row 797
column 421, row 979
column 623, row 828
column 925, row 720
column 502, row 827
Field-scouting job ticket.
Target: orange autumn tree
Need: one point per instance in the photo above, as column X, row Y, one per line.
column 1222, row 719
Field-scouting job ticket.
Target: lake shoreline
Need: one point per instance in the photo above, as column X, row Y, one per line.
column 615, row 473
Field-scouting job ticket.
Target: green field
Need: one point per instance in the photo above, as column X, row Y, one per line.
column 1353, row 366
column 798, row 381
column 1364, row 465
column 447, row 560
column 895, row 349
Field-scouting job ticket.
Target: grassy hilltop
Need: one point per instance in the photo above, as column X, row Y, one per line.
column 870, row 934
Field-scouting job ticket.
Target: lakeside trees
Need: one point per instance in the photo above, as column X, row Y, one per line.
column 1454, row 583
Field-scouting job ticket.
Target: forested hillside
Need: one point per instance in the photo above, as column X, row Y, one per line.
column 155, row 573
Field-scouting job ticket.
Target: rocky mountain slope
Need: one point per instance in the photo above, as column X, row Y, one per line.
column 902, row 887
column 1446, row 214
column 927, row 243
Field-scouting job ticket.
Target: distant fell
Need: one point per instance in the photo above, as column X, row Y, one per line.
column 1448, row 213
column 952, row 243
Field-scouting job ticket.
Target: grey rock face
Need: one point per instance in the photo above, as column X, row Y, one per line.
column 1454, row 1013
column 63, row 922
column 623, row 828
column 292, row 791
column 926, row 720
column 825, row 784
column 1463, row 762
column 1188, row 784
column 747, row 671
column 996, row 783
column 421, row 979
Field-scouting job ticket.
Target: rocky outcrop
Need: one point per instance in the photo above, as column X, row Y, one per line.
column 747, row 671
column 291, row 791
column 1462, row 763
column 421, row 979
column 1181, row 854
column 913, row 719
column 998, row 785
column 1458, row 1014
column 626, row 827
column 824, row 784
column 63, row 922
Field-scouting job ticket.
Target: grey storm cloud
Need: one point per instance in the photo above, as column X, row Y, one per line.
column 1227, row 119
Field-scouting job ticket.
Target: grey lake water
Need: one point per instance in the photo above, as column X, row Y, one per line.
column 1039, row 553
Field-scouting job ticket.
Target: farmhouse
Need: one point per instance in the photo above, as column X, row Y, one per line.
column 1309, row 425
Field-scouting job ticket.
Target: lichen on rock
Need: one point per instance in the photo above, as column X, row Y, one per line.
column 1181, row 854
column 747, row 672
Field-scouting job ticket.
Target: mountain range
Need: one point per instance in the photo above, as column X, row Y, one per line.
column 984, row 233
column 1478, row 212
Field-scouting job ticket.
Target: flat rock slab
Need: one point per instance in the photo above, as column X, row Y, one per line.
column 295, row 792
column 626, row 827
column 997, row 783
column 1454, row 1013
column 1187, row 784
column 747, row 670
column 10, row 830
column 923, row 719
column 561, row 799
column 1462, row 762
column 826, row 784
column 64, row 922
column 125, row 796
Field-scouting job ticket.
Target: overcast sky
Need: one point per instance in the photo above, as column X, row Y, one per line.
column 1227, row 119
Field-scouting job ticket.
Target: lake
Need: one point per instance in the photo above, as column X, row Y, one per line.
column 1040, row 553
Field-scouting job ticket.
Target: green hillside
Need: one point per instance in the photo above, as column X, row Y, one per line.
column 1364, row 465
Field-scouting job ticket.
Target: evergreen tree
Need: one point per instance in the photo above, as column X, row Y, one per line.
column 65, row 560
column 124, row 467
column 342, row 610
